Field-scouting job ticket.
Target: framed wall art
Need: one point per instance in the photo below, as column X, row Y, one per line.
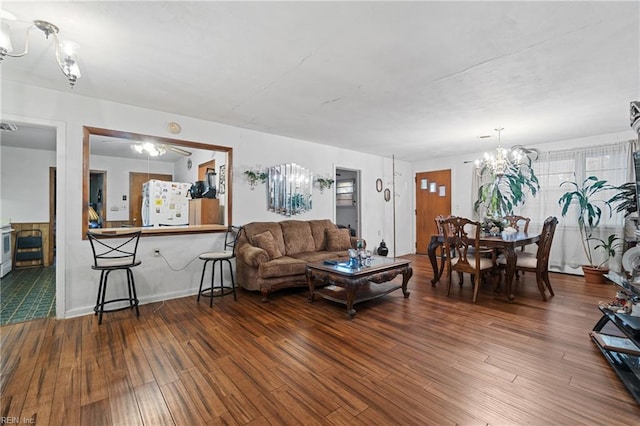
column 222, row 179
column 379, row 185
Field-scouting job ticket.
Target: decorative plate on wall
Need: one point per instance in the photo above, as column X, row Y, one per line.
column 379, row 185
column 387, row 194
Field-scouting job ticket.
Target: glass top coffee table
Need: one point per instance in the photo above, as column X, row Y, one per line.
column 349, row 286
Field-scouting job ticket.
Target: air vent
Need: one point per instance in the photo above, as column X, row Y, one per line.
column 9, row 127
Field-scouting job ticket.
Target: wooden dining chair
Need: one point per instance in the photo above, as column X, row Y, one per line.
column 462, row 240
column 538, row 263
column 520, row 223
column 443, row 253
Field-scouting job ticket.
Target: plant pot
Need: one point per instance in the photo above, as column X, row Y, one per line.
column 593, row 275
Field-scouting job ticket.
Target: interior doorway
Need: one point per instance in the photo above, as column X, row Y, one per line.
column 433, row 198
column 347, row 187
column 51, row 247
column 97, row 196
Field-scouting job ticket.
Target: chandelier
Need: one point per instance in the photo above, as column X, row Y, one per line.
column 65, row 51
column 500, row 162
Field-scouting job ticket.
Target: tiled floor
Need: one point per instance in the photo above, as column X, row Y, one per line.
column 27, row 293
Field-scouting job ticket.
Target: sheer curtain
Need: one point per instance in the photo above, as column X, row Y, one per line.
column 611, row 163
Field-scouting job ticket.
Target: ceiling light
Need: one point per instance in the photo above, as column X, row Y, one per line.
column 501, row 161
column 151, row 149
column 65, row 51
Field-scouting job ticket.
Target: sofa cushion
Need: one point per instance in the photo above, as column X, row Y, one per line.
column 318, row 230
column 338, row 239
column 315, row 256
column 281, row 267
column 297, row 236
column 266, row 242
column 255, row 228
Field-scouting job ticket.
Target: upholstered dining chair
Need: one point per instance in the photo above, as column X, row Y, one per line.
column 538, row 263
column 223, row 256
column 462, row 240
column 115, row 252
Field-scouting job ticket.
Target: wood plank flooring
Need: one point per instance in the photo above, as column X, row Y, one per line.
column 428, row 359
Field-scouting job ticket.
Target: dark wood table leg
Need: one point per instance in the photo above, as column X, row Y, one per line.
column 511, row 258
column 431, row 251
column 312, row 285
column 351, row 296
column 406, row 276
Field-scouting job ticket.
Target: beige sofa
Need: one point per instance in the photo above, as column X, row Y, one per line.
column 274, row 255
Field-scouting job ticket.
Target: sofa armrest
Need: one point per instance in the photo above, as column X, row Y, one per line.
column 253, row 256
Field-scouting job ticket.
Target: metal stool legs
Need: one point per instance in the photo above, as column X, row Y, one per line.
column 221, row 290
column 102, row 291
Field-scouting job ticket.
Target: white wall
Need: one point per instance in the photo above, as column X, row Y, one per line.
column 25, row 184
column 155, row 279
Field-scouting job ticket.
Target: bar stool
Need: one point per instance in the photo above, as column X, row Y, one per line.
column 228, row 252
column 112, row 252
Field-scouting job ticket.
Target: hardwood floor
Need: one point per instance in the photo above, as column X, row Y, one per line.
column 428, row 359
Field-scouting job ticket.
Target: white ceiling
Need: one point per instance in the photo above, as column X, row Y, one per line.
column 414, row 79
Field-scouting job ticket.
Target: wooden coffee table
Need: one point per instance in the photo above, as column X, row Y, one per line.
column 350, row 286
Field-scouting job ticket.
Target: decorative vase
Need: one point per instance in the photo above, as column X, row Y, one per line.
column 383, row 250
column 594, row 275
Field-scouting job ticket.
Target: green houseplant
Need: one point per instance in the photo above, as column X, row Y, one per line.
column 255, row 176
column 324, row 183
column 584, row 197
column 503, row 192
column 624, row 199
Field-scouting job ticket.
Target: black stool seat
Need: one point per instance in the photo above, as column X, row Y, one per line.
column 233, row 232
column 114, row 252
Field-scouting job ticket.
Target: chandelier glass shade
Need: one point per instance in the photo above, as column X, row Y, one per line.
column 65, row 51
column 501, row 161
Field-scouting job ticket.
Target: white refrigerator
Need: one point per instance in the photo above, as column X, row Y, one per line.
column 165, row 203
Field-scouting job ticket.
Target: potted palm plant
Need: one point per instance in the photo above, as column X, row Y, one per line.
column 584, row 197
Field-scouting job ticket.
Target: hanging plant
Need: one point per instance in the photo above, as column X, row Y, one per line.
column 255, row 176
column 325, row 183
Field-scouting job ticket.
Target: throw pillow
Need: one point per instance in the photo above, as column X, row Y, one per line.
column 266, row 242
column 338, row 239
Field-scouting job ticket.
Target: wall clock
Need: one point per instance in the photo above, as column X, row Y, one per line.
column 189, row 164
column 174, row 128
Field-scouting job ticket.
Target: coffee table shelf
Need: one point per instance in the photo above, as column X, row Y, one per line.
column 350, row 286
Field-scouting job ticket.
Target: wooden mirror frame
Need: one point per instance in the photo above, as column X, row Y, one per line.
column 87, row 132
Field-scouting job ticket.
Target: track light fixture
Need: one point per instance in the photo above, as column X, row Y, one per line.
column 65, row 51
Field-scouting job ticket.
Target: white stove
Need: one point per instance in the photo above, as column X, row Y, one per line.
column 6, row 250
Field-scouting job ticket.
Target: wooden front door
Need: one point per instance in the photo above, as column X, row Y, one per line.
column 433, row 198
column 135, row 193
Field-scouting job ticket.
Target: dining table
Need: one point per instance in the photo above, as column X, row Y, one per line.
column 506, row 245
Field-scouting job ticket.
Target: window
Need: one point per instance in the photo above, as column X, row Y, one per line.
column 345, row 192
column 609, row 162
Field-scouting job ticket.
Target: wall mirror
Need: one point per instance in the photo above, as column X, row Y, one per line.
column 117, row 165
column 289, row 189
